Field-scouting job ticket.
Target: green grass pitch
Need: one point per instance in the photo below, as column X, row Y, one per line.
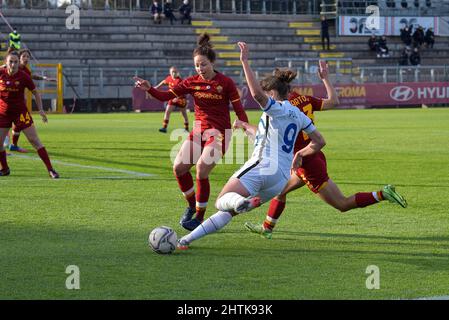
column 99, row 220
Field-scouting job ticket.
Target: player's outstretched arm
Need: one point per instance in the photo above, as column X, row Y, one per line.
column 145, row 85
column 249, row 129
column 254, row 86
column 38, row 99
column 160, row 84
column 316, row 144
column 332, row 96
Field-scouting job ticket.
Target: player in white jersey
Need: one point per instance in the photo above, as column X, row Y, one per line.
column 264, row 175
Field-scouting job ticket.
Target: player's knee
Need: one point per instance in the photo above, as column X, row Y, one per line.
column 35, row 142
column 178, row 170
column 281, row 197
column 202, row 170
column 342, row 206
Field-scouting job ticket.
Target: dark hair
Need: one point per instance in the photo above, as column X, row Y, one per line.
column 204, row 48
column 11, row 52
column 23, row 51
column 279, row 81
column 11, row 49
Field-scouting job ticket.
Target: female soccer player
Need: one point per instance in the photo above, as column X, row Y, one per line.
column 313, row 171
column 13, row 110
column 207, row 142
column 172, row 80
column 267, row 172
column 24, row 58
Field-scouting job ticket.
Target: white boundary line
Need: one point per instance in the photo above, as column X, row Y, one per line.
column 433, row 298
column 69, row 164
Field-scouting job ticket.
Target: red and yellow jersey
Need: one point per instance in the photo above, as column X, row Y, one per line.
column 12, row 87
column 172, row 82
column 25, row 69
column 211, row 99
column 308, row 105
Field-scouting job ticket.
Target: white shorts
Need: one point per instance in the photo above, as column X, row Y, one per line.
column 253, row 175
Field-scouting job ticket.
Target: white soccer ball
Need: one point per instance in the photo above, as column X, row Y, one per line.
column 162, row 240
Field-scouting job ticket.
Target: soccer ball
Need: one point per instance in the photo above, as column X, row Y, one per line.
column 162, row 240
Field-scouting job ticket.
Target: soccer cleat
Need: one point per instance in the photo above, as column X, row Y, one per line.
column 259, row 229
column 17, row 148
column 164, row 130
column 247, row 204
column 182, row 244
column 187, row 215
column 191, row 224
column 389, row 193
column 53, row 174
column 5, row 172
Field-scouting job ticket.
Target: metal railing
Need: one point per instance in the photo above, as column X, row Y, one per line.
column 384, row 74
column 115, row 81
column 200, row 6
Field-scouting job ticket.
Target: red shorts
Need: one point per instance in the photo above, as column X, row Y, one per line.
column 206, row 138
column 178, row 102
column 314, row 171
column 21, row 120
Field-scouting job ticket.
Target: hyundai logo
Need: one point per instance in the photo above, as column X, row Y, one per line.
column 402, row 93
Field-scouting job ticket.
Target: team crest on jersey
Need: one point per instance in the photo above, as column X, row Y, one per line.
column 208, row 88
column 17, row 83
column 219, row 89
column 197, row 88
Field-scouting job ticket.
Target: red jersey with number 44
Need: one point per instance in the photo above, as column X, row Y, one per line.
column 307, row 105
column 211, row 99
column 12, row 87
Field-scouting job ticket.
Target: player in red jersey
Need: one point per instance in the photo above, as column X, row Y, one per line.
column 24, row 58
column 172, row 80
column 13, row 110
column 313, row 171
column 207, row 142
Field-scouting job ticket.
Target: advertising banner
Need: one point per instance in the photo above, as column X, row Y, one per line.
column 350, row 96
column 388, row 26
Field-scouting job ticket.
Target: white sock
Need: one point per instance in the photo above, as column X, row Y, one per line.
column 211, row 225
column 375, row 196
column 229, row 201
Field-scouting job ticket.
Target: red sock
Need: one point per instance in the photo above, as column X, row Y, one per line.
column 274, row 212
column 202, row 196
column 185, row 183
column 364, row 199
column 15, row 138
column 165, row 123
column 44, row 156
column 3, row 161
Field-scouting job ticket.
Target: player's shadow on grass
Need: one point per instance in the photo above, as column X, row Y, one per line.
column 371, row 183
column 111, row 162
column 444, row 238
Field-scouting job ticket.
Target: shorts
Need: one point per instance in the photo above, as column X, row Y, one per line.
column 254, row 177
column 208, row 139
column 178, row 102
column 313, row 171
column 21, row 120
